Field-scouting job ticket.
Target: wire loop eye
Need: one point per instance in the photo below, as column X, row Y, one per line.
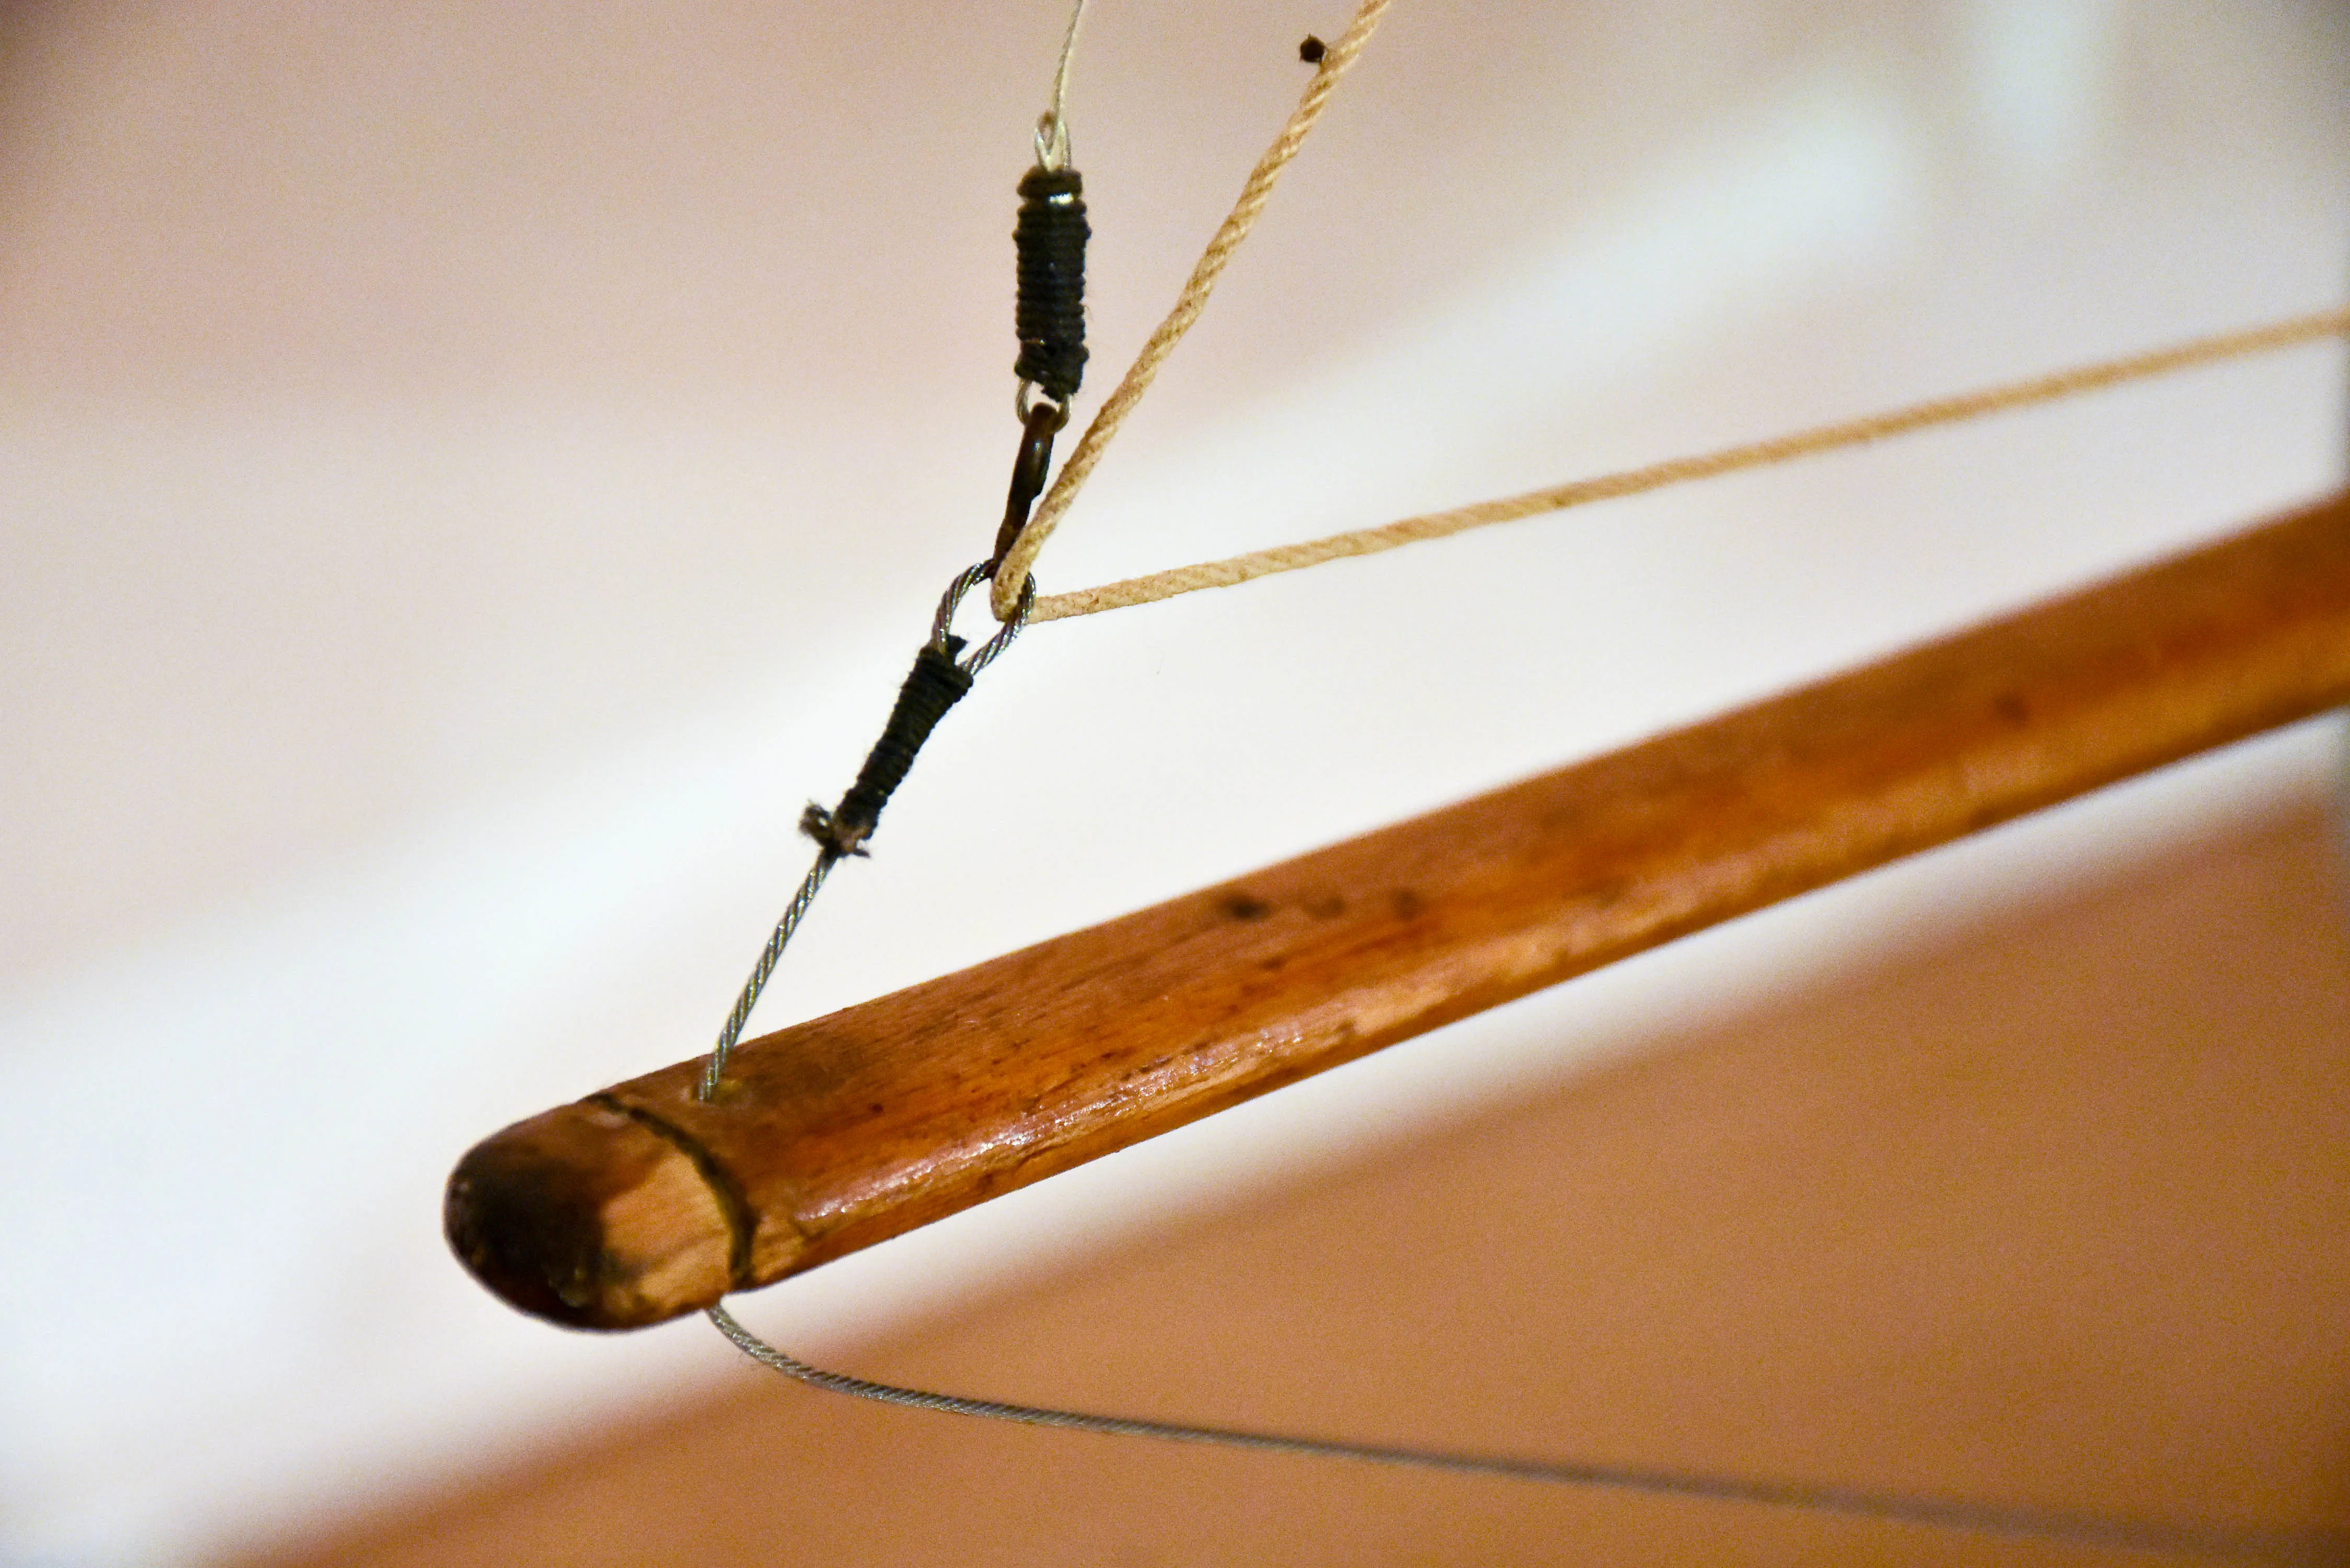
column 942, row 636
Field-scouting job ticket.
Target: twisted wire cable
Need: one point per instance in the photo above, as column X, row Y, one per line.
column 1988, row 1519
column 1254, row 193
column 841, row 833
column 731, row 1033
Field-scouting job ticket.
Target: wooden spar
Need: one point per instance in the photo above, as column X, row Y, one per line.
column 640, row 1203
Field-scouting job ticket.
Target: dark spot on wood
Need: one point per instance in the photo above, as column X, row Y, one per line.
column 522, row 1213
column 1406, row 903
column 1312, row 50
column 1329, row 907
column 1241, row 906
column 1609, row 891
column 2013, row 708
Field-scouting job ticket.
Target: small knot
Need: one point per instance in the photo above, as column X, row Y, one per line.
column 817, row 824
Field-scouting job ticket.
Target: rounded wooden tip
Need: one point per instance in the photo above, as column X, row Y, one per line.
column 645, row 1201
column 589, row 1218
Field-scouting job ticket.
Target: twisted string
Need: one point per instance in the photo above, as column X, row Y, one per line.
column 1248, row 567
column 1015, row 604
column 1334, row 64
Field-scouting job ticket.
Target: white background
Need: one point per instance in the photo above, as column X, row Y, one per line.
column 474, row 471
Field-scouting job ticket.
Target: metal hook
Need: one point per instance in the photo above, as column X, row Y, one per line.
column 1040, row 422
column 1025, row 402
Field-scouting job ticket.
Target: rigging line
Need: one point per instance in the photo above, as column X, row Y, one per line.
column 841, row 833
column 2076, row 1527
column 1255, row 564
column 942, row 673
column 1053, row 126
column 2044, row 1524
column 1334, row 64
column 730, row 1033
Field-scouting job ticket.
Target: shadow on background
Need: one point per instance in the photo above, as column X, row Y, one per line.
column 474, row 470
column 2048, row 1211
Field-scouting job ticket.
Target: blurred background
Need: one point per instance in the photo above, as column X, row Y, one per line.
column 475, row 470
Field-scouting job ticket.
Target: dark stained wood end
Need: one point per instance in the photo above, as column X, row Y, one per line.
column 586, row 1217
column 644, row 1202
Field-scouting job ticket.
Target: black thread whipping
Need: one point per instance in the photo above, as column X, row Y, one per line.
column 1050, row 235
column 935, row 684
column 1050, row 317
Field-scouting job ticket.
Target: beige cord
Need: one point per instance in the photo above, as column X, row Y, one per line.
column 1013, row 572
column 1655, row 476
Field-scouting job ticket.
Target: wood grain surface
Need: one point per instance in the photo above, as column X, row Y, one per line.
column 2041, row 1204
column 640, row 1203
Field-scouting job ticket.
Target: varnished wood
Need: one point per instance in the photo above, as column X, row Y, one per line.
column 2041, row 1204
column 640, row 1203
